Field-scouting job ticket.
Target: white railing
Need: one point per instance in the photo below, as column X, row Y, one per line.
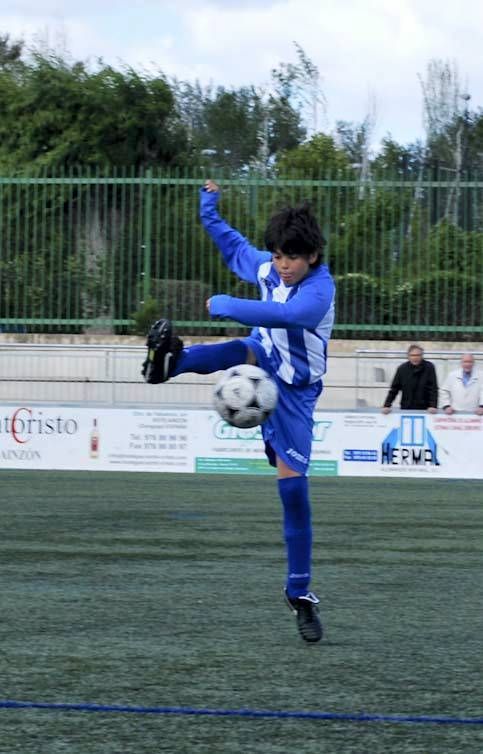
column 111, row 375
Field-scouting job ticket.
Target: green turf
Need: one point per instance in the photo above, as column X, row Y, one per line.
column 150, row 589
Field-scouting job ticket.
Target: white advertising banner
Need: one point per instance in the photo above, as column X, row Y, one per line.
column 409, row 444
column 177, row 440
column 67, row 437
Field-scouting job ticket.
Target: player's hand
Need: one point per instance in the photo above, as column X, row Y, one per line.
column 386, row 409
column 449, row 410
column 211, row 186
column 207, row 304
column 432, row 410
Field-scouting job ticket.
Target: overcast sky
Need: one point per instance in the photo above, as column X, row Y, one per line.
column 366, row 50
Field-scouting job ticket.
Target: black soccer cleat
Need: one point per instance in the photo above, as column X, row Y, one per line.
column 307, row 614
column 163, row 351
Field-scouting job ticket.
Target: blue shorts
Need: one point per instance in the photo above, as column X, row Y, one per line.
column 287, row 433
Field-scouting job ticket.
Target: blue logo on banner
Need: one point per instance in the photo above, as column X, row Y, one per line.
column 410, row 444
column 360, row 454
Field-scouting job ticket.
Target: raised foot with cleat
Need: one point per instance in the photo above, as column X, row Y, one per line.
column 163, row 350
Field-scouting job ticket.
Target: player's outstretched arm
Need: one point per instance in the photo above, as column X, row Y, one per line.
column 241, row 257
column 304, row 310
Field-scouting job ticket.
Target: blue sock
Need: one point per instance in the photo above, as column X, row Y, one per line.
column 204, row 359
column 294, row 492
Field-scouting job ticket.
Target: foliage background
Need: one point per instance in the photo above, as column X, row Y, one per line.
column 99, row 173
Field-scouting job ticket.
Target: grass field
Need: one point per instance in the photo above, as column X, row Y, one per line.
column 165, row 590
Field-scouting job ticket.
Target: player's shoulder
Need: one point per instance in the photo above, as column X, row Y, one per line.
column 264, row 265
column 320, row 276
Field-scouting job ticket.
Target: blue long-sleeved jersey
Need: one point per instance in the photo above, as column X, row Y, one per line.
column 292, row 323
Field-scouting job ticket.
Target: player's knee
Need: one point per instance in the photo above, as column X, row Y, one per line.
column 284, row 471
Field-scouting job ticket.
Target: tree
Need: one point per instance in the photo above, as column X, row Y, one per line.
column 190, row 102
column 399, row 159
column 445, row 125
column 236, row 128
column 232, row 120
column 473, row 158
column 299, row 83
column 441, row 91
column 57, row 113
column 320, row 156
column 10, row 52
column 248, row 127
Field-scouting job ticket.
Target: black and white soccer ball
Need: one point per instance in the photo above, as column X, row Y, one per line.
column 245, row 396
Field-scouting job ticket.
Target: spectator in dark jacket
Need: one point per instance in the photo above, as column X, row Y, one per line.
column 416, row 381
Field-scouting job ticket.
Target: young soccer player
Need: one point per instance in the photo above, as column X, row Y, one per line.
column 291, row 327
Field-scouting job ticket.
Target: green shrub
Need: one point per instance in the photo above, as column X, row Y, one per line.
column 444, row 299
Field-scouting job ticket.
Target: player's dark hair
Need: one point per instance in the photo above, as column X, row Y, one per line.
column 294, row 230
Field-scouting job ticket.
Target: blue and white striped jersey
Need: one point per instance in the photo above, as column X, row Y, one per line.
column 292, row 323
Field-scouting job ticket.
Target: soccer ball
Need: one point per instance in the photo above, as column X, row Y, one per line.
column 245, row 396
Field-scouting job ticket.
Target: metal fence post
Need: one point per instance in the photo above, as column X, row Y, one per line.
column 148, row 222
column 113, row 355
column 357, row 379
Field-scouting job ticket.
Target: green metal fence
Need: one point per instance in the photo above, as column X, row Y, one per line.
column 84, row 251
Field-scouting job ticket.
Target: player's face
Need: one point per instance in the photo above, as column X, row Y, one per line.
column 467, row 363
column 292, row 268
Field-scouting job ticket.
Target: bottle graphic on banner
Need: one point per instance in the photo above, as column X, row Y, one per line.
column 94, row 441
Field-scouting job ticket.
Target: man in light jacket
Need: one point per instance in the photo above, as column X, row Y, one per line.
column 462, row 389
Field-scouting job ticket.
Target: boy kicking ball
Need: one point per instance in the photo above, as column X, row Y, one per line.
column 291, row 325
